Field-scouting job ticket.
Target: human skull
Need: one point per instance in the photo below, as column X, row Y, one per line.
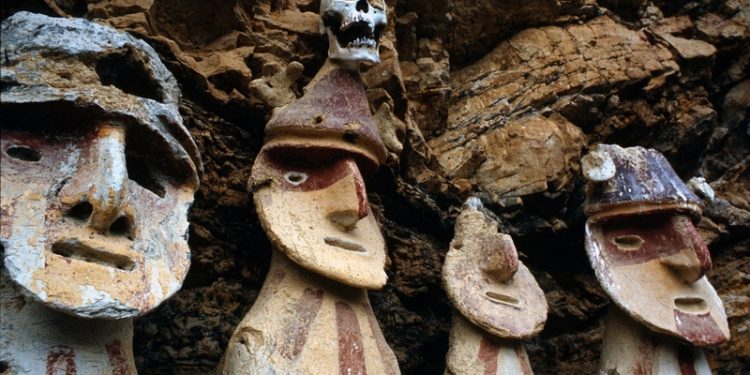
column 354, row 28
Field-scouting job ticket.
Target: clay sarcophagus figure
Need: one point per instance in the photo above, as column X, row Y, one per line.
column 642, row 242
column 312, row 315
column 498, row 301
column 97, row 175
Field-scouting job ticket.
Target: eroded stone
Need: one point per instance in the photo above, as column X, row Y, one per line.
column 97, row 179
column 97, row 175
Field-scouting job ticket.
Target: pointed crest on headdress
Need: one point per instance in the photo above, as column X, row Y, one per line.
column 334, row 113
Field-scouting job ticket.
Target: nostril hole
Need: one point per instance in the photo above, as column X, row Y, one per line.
column 81, row 211
column 121, row 227
column 23, row 153
column 362, row 6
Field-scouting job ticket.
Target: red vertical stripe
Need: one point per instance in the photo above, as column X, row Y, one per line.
column 351, row 349
column 488, row 351
column 297, row 328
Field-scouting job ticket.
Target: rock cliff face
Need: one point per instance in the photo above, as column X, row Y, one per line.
column 494, row 99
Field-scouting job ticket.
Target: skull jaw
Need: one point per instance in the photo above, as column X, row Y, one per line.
column 351, row 56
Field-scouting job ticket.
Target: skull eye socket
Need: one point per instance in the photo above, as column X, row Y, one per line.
column 362, row 6
column 332, row 20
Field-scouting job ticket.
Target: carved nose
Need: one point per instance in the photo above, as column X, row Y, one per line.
column 363, row 6
column 350, row 199
column 685, row 264
column 502, row 263
column 100, row 186
column 693, row 261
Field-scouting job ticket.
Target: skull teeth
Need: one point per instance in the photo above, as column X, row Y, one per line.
column 362, row 42
column 357, row 18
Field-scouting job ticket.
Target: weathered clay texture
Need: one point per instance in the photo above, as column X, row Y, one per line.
column 88, row 227
column 333, row 113
column 694, row 111
column 303, row 323
column 498, row 302
column 631, row 348
column 642, row 182
column 646, row 251
column 487, row 284
column 651, row 260
column 97, row 174
column 311, row 200
column 38, row 340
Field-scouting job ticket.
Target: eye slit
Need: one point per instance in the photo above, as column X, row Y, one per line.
column 295, row 178
column 142, row 174
column 23, row 153
column 630, row 242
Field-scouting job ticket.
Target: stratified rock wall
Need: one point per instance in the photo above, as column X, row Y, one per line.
column 487, row 98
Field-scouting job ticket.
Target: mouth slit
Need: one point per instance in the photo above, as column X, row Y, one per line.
column 691, row 305
column 346, row 245
column 503, row 299
column 74, row 249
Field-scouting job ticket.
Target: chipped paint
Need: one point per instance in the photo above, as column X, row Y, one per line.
column 32, row 334
column 85, row 234
column 304, row 323
column 650, row 258
column 487, row 284
column 61, row 208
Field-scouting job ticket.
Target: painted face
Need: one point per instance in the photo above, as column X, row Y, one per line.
column 653, row 267
column 486, row 282
column 94, row 218
column 313, row 205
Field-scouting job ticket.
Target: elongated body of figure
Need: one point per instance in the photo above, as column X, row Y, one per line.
column 498, row 302
column 312, row 315
column 39, row 340
column 317, row 326
column 631, row 348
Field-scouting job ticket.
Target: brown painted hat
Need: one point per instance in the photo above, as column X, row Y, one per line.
column 333, row 114
column 633, row 180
